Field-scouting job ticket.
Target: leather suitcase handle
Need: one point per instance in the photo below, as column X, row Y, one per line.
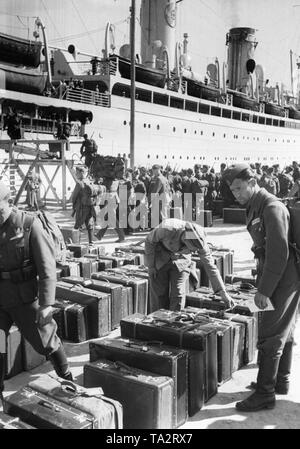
column 49, row 405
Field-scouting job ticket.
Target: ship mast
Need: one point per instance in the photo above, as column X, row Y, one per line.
column 132, row 85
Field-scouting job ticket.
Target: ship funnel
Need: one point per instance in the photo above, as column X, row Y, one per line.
column 158, row 24
column 241, row 64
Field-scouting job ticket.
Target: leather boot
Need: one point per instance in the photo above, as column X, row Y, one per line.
column 100, row 233
column 60, row 364
column 2, row 374
column 284, row 369
column 90, row 236
column 264, row 396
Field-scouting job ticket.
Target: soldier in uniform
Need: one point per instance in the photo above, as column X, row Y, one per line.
column 211, row 188
column 88, row 150
column 168, row 249
column 145, row 178
column 277, row 281
column 85, row 198
column 159, row 186
column 27, row 287
column 111, row 199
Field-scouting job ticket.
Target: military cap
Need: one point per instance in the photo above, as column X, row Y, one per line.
column 233, row 171
column 194, row 236
column 156, row 166
column 4, row 191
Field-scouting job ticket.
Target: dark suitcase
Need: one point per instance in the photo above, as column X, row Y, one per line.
column 227, row 262
column 204, row 299
column 106, row 412
column 250, row 334
column 119, row 299
column 9, row 422
column 182, row 335
column 139, row 287
column 58, row 273
column 43, row 412
column 14, row 361
column 205, row 219
column 155, row 357
column 135, row 249
column 31, row 358
column 224, row 341
column 70, row 235
column 98, row 310
column 234, row 215
column 104, row 264
column 238, row 333
column 75, row 321
column 147, row 398
column 79, row 249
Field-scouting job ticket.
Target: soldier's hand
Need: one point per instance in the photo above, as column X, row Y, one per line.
column 152, row 272
column 228, row 301
column 261, row 300
column 43, row 315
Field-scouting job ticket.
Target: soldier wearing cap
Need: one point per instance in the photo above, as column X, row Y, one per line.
column 85, row 198
column 277, row 280
column 168, row 250
column 159, row 186
column 27, row 286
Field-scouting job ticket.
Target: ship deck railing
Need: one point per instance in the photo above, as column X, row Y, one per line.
column 88, row 97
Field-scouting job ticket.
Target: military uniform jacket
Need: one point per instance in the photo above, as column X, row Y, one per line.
column 268, row 224
column 158, row 184
column 14, row 292
column 164, row 244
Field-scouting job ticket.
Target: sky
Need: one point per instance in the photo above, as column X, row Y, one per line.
column 82, row 23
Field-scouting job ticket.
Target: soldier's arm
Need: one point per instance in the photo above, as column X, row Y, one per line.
column 276, row 223
column 211, row 270
column 43, row 255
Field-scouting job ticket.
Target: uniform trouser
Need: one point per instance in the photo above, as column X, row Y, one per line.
column 167, row 289
column 275, row 337
column 85, row 215
column 119, row 231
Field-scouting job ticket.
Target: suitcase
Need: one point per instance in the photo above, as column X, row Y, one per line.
column 203, row 297
column 31, row 358
column 218, row 206
column 250, row 334
column 78, row 249
column 181, row 335
column 119, row 299
column 238, row 331
column 70, row 235
column 233, row 279
column 87, row 267
column 205, row 218
column 224, row 341
column 234, row 215
column 155, row 357
column 227, row 262
column 8, row 422
column 135, row 249
column 98, row 307
column 147, row 398
column 14, row 361
column 70, row 268
column 43, row 412
column 58, row 273
column 75, row 321
column 106, row 413
column 139, row 287
column 104, row 264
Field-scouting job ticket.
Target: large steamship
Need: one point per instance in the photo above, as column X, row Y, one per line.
column 180, row 119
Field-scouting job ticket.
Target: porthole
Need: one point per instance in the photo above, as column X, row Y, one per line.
column 165, row 157
column 185, row 131
column 158, row 127
column 148, row 156
column 149, row 126
column 188, row 157
column 224, row 135
column 145, row 125
column 213, row 134
column 157, row 156
column 180, row 157
column 173, row 157
column 124, row 123
column 195, row 132
column 201, row 133
column 174, row 129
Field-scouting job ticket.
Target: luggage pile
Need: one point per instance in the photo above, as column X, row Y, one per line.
column 165, row 366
